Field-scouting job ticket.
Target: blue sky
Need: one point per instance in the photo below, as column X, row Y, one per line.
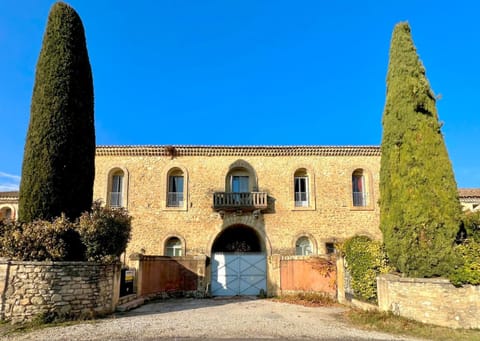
column 248, row 72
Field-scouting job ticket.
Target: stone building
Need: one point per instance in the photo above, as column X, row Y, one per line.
column 249, row 203
column 9, row 205
column 195, row 200
column 470, row 199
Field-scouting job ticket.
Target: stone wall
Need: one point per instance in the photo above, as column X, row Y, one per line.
column 61, row 289
column 329, row 217
column 434, row 301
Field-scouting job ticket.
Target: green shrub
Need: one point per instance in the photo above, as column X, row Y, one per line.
column 469, row 271
column 471, row 223
column 41, row 240
column 100, row 235
column 365, row 259
column 105, row 232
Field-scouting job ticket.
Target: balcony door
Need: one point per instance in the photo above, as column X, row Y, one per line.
column 240, row 184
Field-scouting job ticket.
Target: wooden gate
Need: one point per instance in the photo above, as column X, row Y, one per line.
column 236, row 274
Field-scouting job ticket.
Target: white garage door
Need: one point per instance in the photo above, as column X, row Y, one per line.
column 238, row 274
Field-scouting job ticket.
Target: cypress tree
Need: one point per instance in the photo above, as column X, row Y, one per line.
column 58, row 163
column 419, row 208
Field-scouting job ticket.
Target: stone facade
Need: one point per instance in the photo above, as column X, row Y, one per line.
column 60, row 289
column 329, row 215
column 9, row 205
column 430, row 300
column 470, row 199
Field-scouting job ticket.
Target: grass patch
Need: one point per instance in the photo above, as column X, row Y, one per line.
column 43, row 321
column 308, row 299
column 389, row 323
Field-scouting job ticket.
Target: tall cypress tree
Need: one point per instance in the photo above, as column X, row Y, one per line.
column 420, row 210
column 58, row 163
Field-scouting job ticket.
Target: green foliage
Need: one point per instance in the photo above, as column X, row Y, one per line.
column 105, row 232
column 41, row 240
column 58, row 164
column 365, row 259
column 420, row 210
column 100, row 235
column 471, row 224
column 469, row 271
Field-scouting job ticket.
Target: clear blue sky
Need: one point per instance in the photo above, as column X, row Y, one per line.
column 248, row 72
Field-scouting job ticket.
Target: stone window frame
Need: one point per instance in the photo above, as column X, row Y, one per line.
column 174, row 167
column 182, row 242
column 369, row 188
column 125, row 183
column 241, row 168
column 5, row 208
column 308, row 170
column 310, row 237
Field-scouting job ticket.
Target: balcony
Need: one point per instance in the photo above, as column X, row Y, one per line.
column 229, row 201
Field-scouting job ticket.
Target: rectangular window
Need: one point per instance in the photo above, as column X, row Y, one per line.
column 330, row 248
column 116, row 193
column 175, row 191
column 240, row 184
column 301, row 191
column 174, row 251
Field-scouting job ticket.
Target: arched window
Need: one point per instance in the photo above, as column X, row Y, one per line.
column 359, row 190
column 6, row 213
column 303, row 247
column 301, row 188
column 175, row 194
column 116, row 188
column 173, row 247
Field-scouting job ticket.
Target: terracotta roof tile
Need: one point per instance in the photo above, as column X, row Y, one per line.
column 238, row 150
column 469, row 192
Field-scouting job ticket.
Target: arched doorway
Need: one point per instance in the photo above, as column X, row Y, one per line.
column 238, row 263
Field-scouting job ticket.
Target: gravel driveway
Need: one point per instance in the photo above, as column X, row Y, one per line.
column 214, row 319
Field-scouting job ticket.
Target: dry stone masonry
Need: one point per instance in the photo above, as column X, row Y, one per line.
column 58, row 289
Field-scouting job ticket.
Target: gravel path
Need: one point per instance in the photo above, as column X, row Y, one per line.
column 214, row 319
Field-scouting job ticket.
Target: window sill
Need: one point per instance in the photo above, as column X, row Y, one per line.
column 303, row 208
column 167, row 208
column 362, row 208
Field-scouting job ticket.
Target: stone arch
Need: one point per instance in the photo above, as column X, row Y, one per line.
column 310, row 237
column 118, row 170
column 241, row 167
column 171, row 169
column 247, row 221
column 7, row 212
column 170, row 237
column 368, row 202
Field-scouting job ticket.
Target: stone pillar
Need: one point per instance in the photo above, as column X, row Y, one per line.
column 340, row 279
column 116, row 274
column 201, row 270
column 273, row 276
column 136, row 262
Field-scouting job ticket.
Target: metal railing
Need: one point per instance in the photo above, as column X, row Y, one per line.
column 360, row 199
column 301, row 199
column 175, row 199
column 115, row 199
column 223, row 200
